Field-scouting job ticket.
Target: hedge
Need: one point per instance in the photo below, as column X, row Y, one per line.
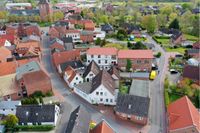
column 162, row 37
column 34, row 127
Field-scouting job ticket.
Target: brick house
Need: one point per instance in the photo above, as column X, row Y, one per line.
column 35, row 81
column 184, row 118
column 133, row 108
column 141, row 59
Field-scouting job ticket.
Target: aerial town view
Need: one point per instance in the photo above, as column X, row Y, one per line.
column 99, row 66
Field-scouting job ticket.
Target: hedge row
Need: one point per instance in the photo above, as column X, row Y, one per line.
column 162, row 37
column 34, row 127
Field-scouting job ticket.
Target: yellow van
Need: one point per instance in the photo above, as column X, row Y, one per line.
column 152, row 75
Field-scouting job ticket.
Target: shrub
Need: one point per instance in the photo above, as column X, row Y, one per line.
column 37, row 94
column 34, row 127
column 158, row 54
column 29, row 100
column 49, row 94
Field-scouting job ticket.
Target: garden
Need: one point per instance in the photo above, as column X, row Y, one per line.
column 124, row 86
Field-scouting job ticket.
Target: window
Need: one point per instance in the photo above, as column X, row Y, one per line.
column 92, row 56
column 99, row 56
column 74, row 83
column 106, row 61
column 12, row 109
column 105, row 94
column 101, row 99
column 138, row 61
column 89, row 61
column 111, row 100
column 101, row 93
column 106, row 100
column 146, row 61
column 99, row 61
column 79, row 82
column 97, row 93
column 76, row 78
column 91, row 75
column 3, row 109
column 19, row 94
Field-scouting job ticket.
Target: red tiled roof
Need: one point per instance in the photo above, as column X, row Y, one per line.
column 5, row 53
column 72, row 31
column 102, row 51
column 135, row 54
column 71, row 73
column 10, row 38
column 102, row 127
column 182, row 114
column 10, row 67
column 2, row 42
column 61, row 57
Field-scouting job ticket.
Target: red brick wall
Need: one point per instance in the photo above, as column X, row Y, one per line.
column 133, row 118
column 143, row 65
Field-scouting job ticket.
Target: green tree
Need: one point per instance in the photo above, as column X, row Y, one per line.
column 121, row 34
column 174, row 24
column 149, row 23
column 10, row 121
column 98, row 41
column 138, row 45
column 161, row 20
column 166, row 10
column 195, row 26
column 186, row 6
column 58, row 16
column 128, row 65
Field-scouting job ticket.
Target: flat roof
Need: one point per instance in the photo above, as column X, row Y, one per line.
column 139, row 88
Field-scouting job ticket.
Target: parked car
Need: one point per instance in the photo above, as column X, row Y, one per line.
column 173, row 71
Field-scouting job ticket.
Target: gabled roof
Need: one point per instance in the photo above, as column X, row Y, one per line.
column 27, row 68
column 133, row 105
column 182, row 114
column 5, row 53
column 79, row 121
column 56, row 40
column 102, row 127
column 71, row 73
column 135, row 54
column 105, row 79
column 102, row 51
column 9, row 104
column 61, row 57
column 35, row 113
column 77, row 64
column 191, row 72
column 92, row 67
column 113, row 71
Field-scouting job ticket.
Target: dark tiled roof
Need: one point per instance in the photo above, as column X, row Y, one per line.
column 113, row 70
column 75, row 17
column 130, row 27
column 62, row 23
column 78, row 122
column 92, row 67
column 105, row 79
column 176, row 35
column 35, row 113
column 191, row 72
column 85, row 87
column 107, row 27
column 56, row 40
column 74, row 64
column 25, row 12
column 133, row 105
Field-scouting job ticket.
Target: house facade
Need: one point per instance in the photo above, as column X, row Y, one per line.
column 141, row 60
column 104, row 57
column 71, row 77
column 75, row 34
column 100, row 91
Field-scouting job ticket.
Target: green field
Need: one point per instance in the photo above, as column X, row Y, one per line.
column 181, row 50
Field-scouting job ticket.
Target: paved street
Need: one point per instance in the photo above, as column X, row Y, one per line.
column 157, row 109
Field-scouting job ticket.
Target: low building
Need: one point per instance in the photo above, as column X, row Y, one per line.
column 9, row 107
column 141, row 60
column 134, row 108
column 37, row 114
column 192, row 73
column 71, row 77
column 79, row 121
column 103, row 127
column 104, row 57
column 184, row 118
column 100, row 91
column 194, row 53
column 91, row 71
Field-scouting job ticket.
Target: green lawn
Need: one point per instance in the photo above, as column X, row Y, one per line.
column 123, row 89
column 190, row 37
column 139, row 39
column 181, row 50
column 164, row 42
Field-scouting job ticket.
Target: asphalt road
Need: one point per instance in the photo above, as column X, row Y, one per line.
column 157, row 108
